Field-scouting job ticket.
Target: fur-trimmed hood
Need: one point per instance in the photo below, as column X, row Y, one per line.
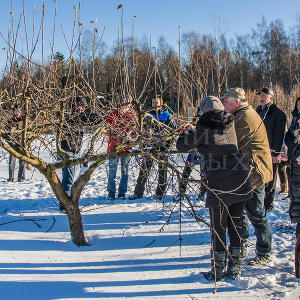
column 216, row 120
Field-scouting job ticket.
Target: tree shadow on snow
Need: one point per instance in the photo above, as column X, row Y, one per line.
column 163, row 286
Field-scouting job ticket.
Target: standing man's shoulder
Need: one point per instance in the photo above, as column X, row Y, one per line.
column 252, row 113
column 281, row 112
column 245, row 120
column 275, row 109
column 246, row 114
column 278, row 114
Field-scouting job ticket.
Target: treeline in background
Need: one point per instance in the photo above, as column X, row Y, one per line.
column 201, row 65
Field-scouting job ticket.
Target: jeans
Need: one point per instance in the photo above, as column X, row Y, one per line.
column 229, row 217
column 255, row 212
column 112, row 172
column 12, row 166
column 68, row 174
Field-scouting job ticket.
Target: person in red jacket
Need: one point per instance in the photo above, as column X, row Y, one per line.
column 122, row 127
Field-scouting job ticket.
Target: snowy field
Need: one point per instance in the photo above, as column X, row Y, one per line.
column 134, row 248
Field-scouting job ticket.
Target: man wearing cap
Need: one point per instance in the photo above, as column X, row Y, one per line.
column 73, row 131
column 275, row 121
column 254, row 147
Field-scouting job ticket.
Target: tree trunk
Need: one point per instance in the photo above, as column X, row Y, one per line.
column 75, row 223
column 70, row 205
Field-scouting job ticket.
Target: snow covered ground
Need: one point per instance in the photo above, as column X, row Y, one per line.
column 135, row 248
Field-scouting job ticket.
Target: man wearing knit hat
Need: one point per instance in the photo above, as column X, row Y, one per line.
column 253, row 144
column 227, row 178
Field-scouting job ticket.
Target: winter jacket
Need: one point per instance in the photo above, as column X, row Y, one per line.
column 155, row 130
column 290, row 139
column 294, row 210
column 73, row 129
column 253, row 144
column 275, row 122
column 163, row 116
column 121, row 124
column 13, row 123
column 215, row 139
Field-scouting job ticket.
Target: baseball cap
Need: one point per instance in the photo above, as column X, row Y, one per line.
column 235, row 93
column 266, row 91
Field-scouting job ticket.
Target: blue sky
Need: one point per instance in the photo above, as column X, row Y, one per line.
column 153, row 17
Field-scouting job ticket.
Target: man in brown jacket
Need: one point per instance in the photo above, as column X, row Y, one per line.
column 254, row 146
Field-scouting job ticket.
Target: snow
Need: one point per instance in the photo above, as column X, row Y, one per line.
column 134, row 251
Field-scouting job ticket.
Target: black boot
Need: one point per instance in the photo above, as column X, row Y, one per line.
column 235, row 261
column 218, row 265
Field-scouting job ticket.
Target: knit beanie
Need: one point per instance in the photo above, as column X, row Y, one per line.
column 210, row 103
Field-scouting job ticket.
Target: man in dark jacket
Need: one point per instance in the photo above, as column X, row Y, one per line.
column 73, row 131
column 228, row 181
column 14, row 124
column 159, row 149
column 254, row 146
column 275, row 121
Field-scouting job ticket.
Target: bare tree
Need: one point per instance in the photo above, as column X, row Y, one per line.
column 47, row 96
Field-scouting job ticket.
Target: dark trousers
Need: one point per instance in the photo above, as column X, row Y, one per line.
column 255, row 212
column 12, row 166
column 230, row 218
column 270, row 189
column 282, row 173
column 145, row 170
column 288, row 173
column 183, row 181
column 188, row 168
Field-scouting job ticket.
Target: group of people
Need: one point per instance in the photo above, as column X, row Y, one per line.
column 244, row 146
column 238, row 148
column 121, row 124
